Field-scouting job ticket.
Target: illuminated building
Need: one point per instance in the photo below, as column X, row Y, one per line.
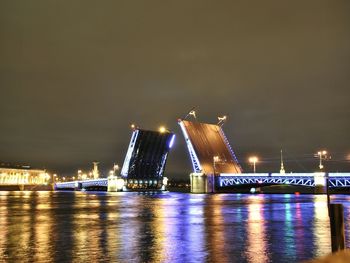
column 23, row 175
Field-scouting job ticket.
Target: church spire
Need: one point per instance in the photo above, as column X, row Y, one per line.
column 282, row 171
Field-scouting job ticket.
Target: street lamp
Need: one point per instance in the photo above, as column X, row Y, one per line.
column 322, row 155
column 115, row 169
column 162, row 129
column 215, row 160
column 79, row 174
column 253, row 160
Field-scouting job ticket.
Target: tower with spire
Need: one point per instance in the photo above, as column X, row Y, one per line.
column 282, row 171
column 95, row 172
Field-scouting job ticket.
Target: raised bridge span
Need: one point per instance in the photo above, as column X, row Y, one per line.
column 143, row 168
column 216, row 167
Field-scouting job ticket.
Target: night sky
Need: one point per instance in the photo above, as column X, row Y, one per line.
column 75, row 74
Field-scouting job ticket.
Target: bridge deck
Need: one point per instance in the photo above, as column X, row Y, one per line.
column 101, row 182
column 304, row 179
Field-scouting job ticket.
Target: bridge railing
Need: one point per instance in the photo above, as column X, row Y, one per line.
column 81, row 183
column 305, row 179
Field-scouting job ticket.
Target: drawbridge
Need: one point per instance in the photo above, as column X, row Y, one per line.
column 143, row 168
column 146, row 158
column 209, row 149
column 210, row 153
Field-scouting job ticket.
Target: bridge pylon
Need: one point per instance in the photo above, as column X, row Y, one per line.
column 202, row 183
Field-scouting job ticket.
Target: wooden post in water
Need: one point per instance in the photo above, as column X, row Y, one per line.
column 336, row 218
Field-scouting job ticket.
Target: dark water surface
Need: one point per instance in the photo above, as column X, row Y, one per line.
column 168, row 227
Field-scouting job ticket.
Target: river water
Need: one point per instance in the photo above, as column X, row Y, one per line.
column 166, row 227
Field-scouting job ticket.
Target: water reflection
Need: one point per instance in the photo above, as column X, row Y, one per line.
column 289, row 237
column 3, row 226
column 321, row 227
column 256, row 239
column 170, row 227
column 215, row 224
column 87, row 228
column 299, row 230
column 43, row 222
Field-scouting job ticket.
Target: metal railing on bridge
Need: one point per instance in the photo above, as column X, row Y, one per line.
column 303, row 179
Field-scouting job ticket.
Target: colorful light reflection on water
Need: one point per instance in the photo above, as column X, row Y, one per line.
column 169, row 227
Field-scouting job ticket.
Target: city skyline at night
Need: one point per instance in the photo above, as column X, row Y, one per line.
column 175, row 131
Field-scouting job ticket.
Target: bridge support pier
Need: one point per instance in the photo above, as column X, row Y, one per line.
column 320, row 183
column 78, row 186
column 202, row 183
column 115, row 184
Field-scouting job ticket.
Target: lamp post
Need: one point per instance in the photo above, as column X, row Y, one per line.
column 253, row 160
column 322, row 155
column 115, row 169
column 335, row 211
column 79, row 174
column 215, row 160
column 163, row 129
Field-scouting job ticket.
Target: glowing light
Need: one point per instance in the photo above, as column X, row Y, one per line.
column 320, row 179
column 253, row 160
column 162, row 129
column 172, row 141
column 216, row 158
column 120, row 183
column 322, row 156
column 165, row 181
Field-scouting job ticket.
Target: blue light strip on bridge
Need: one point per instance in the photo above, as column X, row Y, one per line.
column 125, row 170
column 194, row 159
column 304, row 179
